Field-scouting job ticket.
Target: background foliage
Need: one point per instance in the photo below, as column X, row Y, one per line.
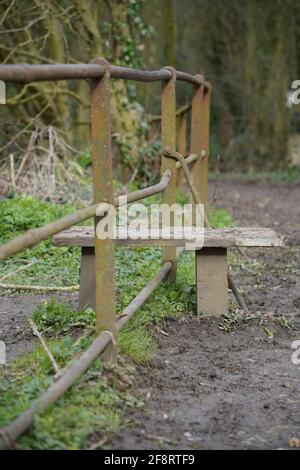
column 249, row 51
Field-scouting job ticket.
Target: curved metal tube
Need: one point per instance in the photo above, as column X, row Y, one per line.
column 25, row 73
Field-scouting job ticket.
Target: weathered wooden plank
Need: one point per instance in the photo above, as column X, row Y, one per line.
column 223, row 238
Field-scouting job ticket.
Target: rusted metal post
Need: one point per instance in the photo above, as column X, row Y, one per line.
column 168, row 139
column 103, row 192
column 182, row 148
column 200, row 138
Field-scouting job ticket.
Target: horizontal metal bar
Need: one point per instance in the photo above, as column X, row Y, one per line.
column 190, row 159
column 25, row 73
column 192, row 79
column 183, row 109
column 139, row 75
column 34, row 236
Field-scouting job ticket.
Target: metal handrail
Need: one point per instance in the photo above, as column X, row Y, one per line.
column 25, row 73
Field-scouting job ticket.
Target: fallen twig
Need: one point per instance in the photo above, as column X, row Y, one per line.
column 39, row 288
column 164, row 333
column 153, row 437
column 43, row 343
column 99, row 443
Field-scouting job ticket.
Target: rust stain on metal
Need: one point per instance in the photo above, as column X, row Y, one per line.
column 168, row 139
column 200, row 138
column 103, row 192
column 182, row 147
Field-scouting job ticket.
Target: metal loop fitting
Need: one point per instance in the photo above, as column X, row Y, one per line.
column 171, row 69
column 104, row 63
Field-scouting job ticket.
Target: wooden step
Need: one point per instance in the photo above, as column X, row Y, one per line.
column 221, row 237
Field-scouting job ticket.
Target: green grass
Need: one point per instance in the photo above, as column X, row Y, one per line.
column 55, row 318
column 94, row 403
column 50, row 265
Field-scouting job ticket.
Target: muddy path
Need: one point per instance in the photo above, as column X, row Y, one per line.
column 208, row 389
column 205, row 388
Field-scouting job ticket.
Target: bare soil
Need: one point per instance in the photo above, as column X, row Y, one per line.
column 14, row 328
column 208, row 390
column 205, row 388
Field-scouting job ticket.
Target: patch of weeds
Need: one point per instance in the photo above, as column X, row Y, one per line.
column 285, row 323
column 53, row 317
column 220, row 218
column 253, row 266
column 267, row 320
column 231, row 320
column 22, row 213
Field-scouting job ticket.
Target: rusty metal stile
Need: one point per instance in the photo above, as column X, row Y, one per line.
column 168, row 139
column 103, row 192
